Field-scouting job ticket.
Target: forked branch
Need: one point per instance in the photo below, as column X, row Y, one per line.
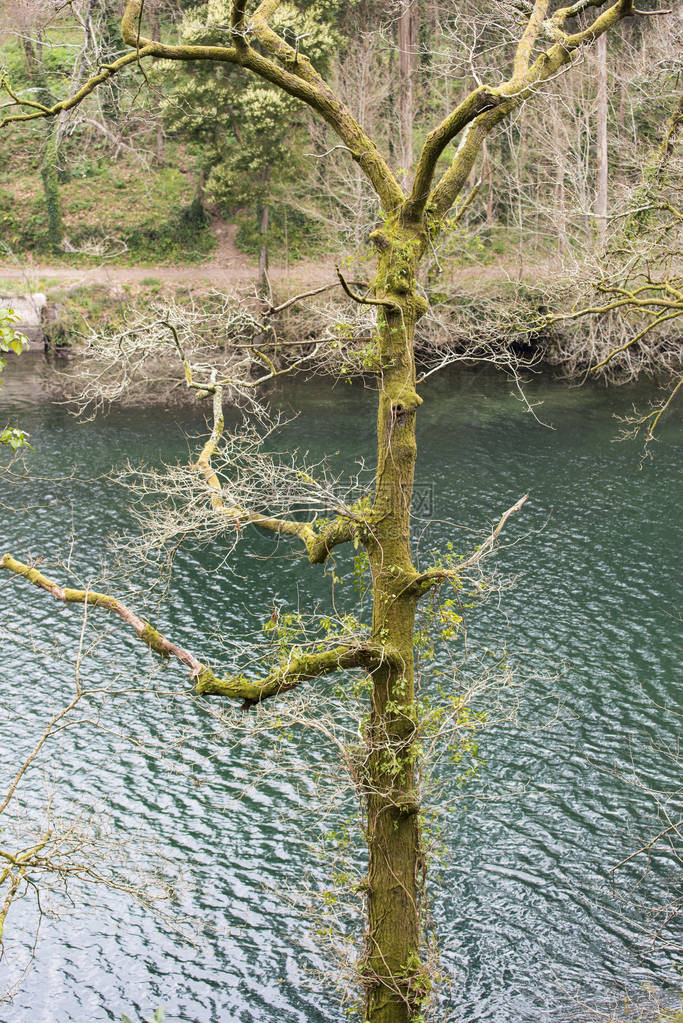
column 487, row 106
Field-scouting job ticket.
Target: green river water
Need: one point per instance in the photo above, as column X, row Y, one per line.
column 529, row 924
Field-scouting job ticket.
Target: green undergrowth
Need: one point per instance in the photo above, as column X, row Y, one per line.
column 124, row 206
column 120, row 211
column 290, row 235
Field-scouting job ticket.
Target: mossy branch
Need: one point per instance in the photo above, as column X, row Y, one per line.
column 68, row 595
column 487, row 106
column 319, row 542
column 301, row 667
column 37, row 110
column 362, row 299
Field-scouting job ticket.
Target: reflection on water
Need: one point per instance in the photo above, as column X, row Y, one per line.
column 529, row 926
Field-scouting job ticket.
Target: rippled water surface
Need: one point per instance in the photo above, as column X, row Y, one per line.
column 529, row 925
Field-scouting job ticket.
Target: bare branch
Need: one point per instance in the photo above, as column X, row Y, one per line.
column 154, row 640
column 486, row 106
column 361, row 299
column 426, row 580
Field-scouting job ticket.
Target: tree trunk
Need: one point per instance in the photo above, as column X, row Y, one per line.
column 487, row 176
column 601, row 198
column 395, row 982
column 263, row 251
column 30, row 56
column 155, row 33
column 49, row 173
column 560, row 199
column 407, row 52
column 35, row 67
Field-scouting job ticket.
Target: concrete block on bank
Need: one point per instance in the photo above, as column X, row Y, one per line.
column 32, row 311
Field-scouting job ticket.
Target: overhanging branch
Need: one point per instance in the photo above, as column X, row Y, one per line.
column 301, row 667
column 434, row 576
column 67, row 595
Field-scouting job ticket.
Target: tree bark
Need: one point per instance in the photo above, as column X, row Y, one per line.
column 263, row 251
column 407, row 53
column 49, row 173
column 394, row 980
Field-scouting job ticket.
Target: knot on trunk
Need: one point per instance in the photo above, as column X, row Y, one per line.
column 401, row 407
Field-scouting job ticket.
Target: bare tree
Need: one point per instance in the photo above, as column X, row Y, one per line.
column 393, row 971
column 628, row 305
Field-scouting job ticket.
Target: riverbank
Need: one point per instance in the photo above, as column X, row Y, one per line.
column 57, row 301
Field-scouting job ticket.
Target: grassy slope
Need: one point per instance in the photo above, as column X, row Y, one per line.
column 131, row 205
column 107, row 208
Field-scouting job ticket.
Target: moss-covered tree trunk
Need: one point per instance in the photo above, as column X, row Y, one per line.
column 264, row 217
column 392, row 973
column 49, row 173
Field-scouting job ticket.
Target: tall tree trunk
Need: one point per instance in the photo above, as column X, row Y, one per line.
column 49, row 173
column 601, row 196
column 395, row 982
column 407, row 54
column 30, row 56
column 560, row 207
column 155, row 33
column 487, row 176
column 35, row 67
column 263, row 251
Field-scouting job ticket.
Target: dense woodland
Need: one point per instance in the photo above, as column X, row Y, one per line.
column 186, row 143
column 150, row 164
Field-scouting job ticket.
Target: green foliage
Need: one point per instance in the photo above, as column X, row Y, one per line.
column 361, row 571
column 247, row 136
column 148, row 219
column 291, row 636
column 11, row 341
column 290, row 233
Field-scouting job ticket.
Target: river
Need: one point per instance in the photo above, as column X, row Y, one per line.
column 529, row 924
